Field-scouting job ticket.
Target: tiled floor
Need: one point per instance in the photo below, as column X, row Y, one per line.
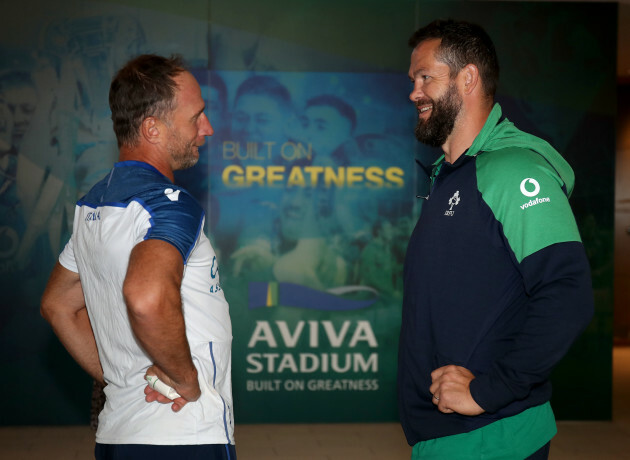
column 575, row 440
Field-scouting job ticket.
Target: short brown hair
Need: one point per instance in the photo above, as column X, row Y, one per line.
column 463, row 43
column 144, row 87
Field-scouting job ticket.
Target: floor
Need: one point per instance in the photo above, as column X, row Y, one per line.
column 575, row 440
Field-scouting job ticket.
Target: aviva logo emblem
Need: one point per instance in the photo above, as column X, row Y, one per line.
column 273, row 294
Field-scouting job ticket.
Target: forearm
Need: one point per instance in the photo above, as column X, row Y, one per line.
column 75, row 333
column 558, row 310
column 63, row 306
column 152, row 294
column 161, row 331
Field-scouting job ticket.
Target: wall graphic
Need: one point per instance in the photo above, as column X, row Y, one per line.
column 310, row 205
column 309, row 181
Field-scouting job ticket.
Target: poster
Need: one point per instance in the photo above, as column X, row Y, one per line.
column 309, row 181
column 310, row 205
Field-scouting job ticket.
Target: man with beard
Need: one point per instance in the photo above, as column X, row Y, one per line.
column 496, row 280
column 136, row 292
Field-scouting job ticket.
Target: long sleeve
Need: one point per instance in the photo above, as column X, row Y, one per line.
column 560, row 306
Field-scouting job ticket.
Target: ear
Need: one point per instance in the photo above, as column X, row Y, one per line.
column 150, row 129
column 469, row 78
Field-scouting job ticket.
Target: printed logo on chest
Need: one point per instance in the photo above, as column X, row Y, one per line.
column 453, row 201
column 215, row 285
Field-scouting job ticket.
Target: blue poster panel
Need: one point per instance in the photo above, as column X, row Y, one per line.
column 309, row 184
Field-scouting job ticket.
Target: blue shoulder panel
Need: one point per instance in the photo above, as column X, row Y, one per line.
column 176, row 217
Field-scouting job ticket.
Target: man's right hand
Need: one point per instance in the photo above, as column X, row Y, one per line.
column 188, row 391
column 451, row 390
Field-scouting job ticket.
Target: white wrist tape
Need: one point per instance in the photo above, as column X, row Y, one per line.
column 161, row 387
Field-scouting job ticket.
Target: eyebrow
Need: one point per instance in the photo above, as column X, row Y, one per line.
column 200, row 112
column 419, row 71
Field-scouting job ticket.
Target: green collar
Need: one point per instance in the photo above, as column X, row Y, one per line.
column 499, row 133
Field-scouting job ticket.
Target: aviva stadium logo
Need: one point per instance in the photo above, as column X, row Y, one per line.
column 342, row 298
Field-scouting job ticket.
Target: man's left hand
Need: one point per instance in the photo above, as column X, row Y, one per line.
column 451, row 390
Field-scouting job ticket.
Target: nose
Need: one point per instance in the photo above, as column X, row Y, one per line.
column 205, row 128
column 416, row 93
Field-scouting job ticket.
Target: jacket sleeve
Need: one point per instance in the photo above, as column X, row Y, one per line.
column 529, row 198
column 560, row 305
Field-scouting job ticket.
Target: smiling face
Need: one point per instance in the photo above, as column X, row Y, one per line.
column 434, row 94
column 187, row 123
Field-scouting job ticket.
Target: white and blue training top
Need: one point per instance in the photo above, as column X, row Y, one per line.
column 133, row 203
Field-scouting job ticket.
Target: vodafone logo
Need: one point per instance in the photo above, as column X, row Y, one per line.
column 533, row 182
column 526, row 189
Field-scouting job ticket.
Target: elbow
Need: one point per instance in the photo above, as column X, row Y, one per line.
column 138, row 303
column 143, row 301
column 44, row 313
column 46, row 309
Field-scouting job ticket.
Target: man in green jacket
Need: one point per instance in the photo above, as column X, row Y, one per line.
column 496, row 280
